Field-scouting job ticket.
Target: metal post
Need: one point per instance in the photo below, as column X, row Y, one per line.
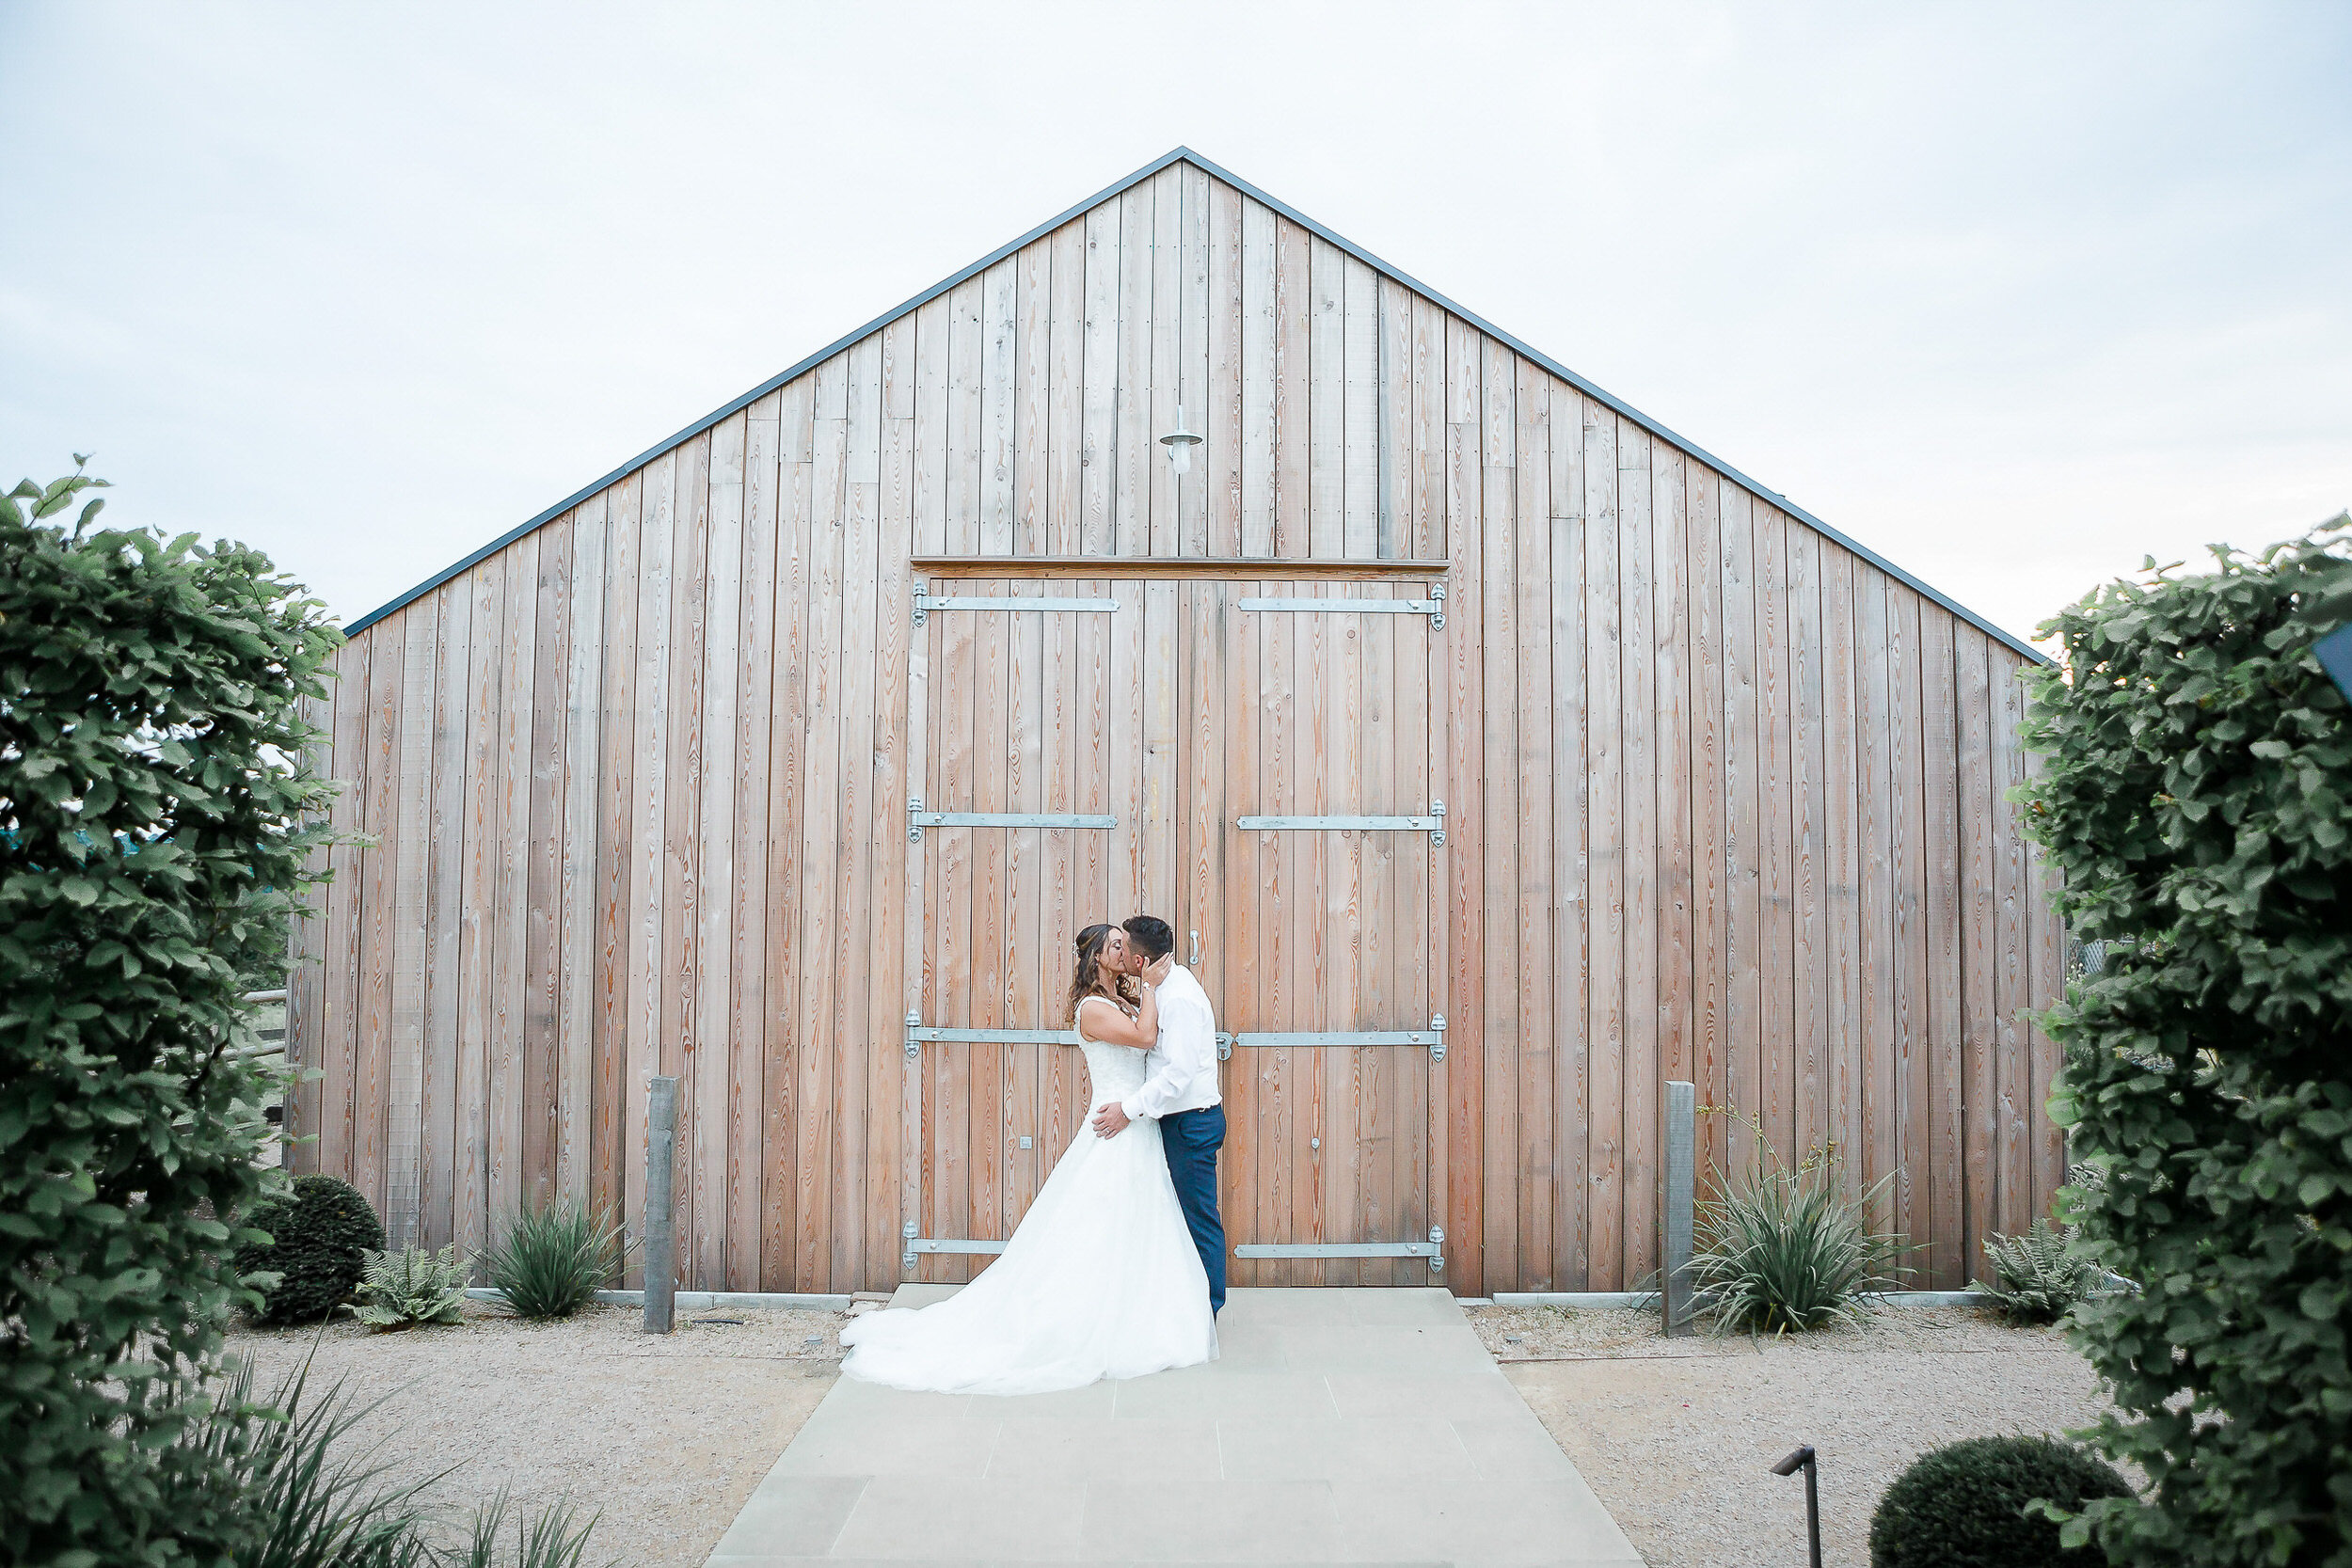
column 1682, row 1153
column 660, row 1234
column 1804, row 1459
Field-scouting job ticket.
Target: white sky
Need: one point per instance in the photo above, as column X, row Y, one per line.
column 2013, row 294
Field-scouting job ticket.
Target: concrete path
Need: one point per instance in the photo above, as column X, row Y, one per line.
column 1338, row 1426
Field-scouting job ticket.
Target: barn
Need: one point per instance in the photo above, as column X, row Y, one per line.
column 1498, row 755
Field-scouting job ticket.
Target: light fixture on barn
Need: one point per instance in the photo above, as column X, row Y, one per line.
column 1180, row 443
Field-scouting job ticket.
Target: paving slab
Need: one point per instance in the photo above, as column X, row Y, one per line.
column 1336, row 1426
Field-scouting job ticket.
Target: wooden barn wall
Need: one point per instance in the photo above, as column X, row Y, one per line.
column 1726, row 801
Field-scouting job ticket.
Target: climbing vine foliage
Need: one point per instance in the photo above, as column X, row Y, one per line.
column 153, row 804
column 2195, row 791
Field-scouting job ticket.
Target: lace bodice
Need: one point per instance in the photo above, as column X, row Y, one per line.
column 1115, row 1071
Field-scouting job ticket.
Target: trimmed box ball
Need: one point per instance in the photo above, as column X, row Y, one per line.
column 316, row 1237
column 1963, row 1506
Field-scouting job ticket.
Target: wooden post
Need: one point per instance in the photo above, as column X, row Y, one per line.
column 1681, row 1140
column 660, row 1234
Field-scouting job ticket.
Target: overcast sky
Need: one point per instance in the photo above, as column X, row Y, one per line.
column 2013, row 294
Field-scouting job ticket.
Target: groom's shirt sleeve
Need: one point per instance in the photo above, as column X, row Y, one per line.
column 1189, row 1046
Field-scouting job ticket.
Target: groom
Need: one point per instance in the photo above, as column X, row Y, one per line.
column 1180, row 1088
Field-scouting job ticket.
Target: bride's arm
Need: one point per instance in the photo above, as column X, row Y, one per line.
column 1108, row 1026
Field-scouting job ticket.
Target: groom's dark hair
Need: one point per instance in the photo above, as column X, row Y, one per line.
column 1150, row 933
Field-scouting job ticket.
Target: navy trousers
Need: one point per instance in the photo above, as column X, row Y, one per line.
column 1191, row 1140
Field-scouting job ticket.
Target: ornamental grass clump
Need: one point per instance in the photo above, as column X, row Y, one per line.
column 552, row 1260
column 312, row 1500
column 1981, row 1503
column 401, row 1289
column 2194, row 799
column 1789, row 1252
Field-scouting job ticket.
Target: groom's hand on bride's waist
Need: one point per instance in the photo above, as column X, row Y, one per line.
column 1111, row 1120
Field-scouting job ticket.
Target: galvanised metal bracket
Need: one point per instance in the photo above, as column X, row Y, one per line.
column 1429, row 1249
column 1433, row 606
column 918, row 1034
column 918, row 819
column 1433, row 824
column 919, row 1245
column 924, row 604
column 1433, row 1037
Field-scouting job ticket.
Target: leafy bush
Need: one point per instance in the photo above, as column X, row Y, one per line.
column 1788, row 1251
column 411, row 1286
column 554, row 1260
column 2196, row 793
column 2036, row 1279
column 1967, row 1506
column 153, row 802
column 319, row 1235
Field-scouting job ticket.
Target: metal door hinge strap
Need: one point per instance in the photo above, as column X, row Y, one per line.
column 918, row 1033
column 997, row 1036
column 1433, row 1037
column 936, row 1244
column 930, row 1243
column 1433, row 824
column 1433, row 606
column 918, row 819
column 1335, row 1249
column 924, row 604
column 1433, row 1249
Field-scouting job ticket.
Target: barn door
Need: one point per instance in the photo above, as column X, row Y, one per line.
column 1028, row 729
column 1312, row 737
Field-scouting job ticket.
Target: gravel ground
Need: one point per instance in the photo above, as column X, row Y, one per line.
column 1677, row 1436
column 664, row 1437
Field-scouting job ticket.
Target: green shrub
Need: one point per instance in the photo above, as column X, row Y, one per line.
column 319, row 1234
column 409, row 1287
column 1967, row 1506
column 1788, row 1251
column 152, row 844
column 2036, row 1279
column 554, row 1260
column 2196, row 797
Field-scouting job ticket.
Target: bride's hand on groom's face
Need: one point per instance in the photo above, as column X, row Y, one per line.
column 1157, row 970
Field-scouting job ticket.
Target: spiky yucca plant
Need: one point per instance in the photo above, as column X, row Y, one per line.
column 2035, row 1279
column 399, row 1290
column 1789, row 1252
column 553, row 1260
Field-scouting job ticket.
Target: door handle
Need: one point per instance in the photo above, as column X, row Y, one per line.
column 1196, row 952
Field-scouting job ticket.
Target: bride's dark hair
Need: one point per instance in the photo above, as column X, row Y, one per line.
column 1086, row 981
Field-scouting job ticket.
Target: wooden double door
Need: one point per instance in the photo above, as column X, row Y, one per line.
column 1257, row 761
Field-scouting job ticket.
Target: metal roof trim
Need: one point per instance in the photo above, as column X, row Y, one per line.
column 1186, row 154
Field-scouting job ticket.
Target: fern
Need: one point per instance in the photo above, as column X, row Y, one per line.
column 408, row 1287
column 2035, row 1278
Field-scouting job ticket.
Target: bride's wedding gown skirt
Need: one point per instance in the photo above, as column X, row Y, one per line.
column 1101, row 1279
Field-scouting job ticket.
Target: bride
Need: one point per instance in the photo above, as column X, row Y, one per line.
column 1101, row 1279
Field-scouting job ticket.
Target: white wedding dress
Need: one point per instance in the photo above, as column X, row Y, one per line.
column 1100, row 1279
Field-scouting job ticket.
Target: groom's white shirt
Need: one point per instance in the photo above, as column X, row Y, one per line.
column 1179, row 1070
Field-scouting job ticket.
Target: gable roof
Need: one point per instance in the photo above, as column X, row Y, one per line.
column 1186, row 154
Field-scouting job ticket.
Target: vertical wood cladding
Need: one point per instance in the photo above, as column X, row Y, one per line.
column 1725, row 800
